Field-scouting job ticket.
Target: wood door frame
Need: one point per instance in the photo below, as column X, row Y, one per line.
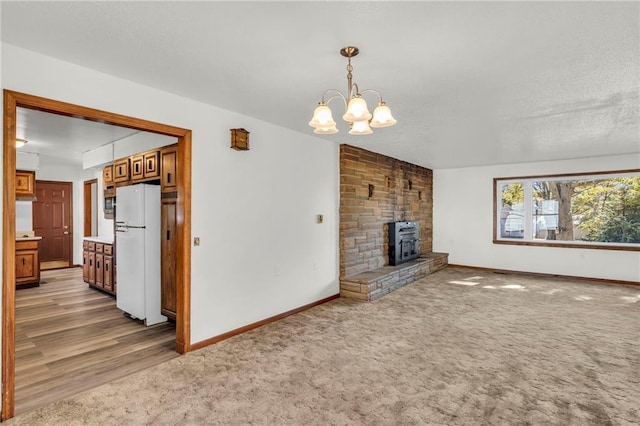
column 71, row 230
column 13, row 100
column 86, row 199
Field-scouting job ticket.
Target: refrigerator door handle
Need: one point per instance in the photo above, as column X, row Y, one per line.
column 123, row 227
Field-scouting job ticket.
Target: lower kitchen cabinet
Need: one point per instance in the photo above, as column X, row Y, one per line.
column 168, row 248
column 109, row 282
column 27, row 263
column 98, row 265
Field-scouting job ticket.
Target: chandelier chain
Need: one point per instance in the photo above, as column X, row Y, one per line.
column 349, row 78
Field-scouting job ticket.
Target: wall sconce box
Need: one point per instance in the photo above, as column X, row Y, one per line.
column 239, row 139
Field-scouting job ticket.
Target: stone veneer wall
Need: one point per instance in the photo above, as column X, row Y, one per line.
column 399, row 191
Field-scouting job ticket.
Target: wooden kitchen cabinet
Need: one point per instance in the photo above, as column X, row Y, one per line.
column 121, row 170
column 108, row 185
column 25, row 185
column 85, row 262
column 107, row 175
column 145, row 166
column 98, row 265
column 27, row 263
column 108, row 283
column 168, row 250
column 92, row 267
column 169, row 168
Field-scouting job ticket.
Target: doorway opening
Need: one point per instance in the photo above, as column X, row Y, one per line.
column 13, row 100
column 90, row 191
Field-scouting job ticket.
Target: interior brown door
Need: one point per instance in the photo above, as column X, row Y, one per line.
column 52, row 220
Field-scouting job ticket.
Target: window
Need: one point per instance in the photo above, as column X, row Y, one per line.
column 590, row 210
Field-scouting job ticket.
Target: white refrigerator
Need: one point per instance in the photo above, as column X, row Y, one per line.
column 138, row 252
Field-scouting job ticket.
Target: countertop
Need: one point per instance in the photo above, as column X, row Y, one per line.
column 27, row 238
column 103, row 240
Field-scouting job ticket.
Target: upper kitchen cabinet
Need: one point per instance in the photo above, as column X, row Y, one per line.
column 145, row 166
column 108, row 186
column 121, row 171
column 169, row 168
column 25, row 185
column 107, row 175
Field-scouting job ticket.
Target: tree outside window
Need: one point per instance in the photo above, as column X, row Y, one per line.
column 584, row 209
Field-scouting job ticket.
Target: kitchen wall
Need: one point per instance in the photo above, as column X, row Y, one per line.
column 262, row 252
column 24, row 216
column 49, row 169
column 463, row 223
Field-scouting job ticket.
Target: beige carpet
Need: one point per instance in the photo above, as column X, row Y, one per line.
column 458, row 347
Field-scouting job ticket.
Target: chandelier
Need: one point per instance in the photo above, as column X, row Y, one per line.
column 357, row 113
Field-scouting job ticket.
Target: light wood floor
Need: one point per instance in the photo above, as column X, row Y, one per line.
column 70, row 338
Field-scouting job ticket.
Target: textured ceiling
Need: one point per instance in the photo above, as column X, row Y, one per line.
column 469, row 83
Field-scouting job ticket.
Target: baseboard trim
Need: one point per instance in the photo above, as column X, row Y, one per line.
column 543, row 275
column 224, row 336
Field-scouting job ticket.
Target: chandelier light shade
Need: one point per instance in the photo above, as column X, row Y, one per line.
column 382, row 116
column 360, row 128
column 357, row 113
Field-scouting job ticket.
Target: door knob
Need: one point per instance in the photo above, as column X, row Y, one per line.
column 66, row 232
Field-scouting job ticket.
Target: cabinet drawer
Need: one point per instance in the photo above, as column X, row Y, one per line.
column 108, row 249
column 27, row 245
column 99, row 248
column 91, row 246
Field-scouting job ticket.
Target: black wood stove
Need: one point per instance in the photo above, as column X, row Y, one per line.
column 404, row 242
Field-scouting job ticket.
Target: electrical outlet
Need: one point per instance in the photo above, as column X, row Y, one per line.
column 196, row 241
column 319, row 218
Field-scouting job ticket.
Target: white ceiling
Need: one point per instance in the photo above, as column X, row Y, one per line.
column 470, row 83
column 64, row 139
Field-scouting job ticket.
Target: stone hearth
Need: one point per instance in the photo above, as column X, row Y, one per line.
column 373, row 284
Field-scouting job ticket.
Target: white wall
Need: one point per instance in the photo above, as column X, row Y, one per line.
column 463, row 223
column 51, row 170
column 261, row 251
column 105, row 226
column 140, row 142
column 130, row 145
column 24, row 216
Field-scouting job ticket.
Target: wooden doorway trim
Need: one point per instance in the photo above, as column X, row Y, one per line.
column 88, row 209
column 13, row 100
